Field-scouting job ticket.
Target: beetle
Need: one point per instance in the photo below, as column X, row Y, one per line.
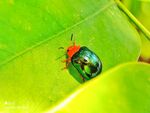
column 84, row 60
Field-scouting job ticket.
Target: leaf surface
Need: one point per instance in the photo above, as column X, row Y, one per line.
column 31, row 79
column 120, row 90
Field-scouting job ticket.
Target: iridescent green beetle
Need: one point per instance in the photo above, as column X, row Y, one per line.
column 87, row 63
column 84, row 60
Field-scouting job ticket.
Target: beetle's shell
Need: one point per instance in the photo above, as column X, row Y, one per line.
column 87, row 63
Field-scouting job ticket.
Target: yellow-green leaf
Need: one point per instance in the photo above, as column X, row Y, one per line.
column 124, row 89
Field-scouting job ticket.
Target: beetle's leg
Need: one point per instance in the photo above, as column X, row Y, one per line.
column 64, row 68
column 67, row 61
column 64, row 61
column 67, row 64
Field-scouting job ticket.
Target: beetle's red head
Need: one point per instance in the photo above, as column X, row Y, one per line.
column 72, row 49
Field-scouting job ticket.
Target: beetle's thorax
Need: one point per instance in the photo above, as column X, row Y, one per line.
column 72, row 50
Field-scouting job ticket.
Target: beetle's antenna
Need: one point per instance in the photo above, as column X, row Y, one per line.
column 71, row 36
column 61, row 48
column 72, row 39
column 61, row 56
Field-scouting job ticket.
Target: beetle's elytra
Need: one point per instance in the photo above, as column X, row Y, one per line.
column 87, row 63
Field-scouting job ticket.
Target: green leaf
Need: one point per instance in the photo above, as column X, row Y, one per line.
column 134, row 6
column 124, row 89
column 144, row 18
column 140, row 9
column 31, row 79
